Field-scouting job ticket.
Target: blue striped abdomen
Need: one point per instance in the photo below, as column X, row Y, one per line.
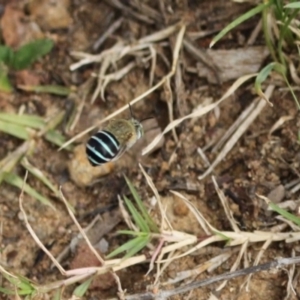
column 102, row 147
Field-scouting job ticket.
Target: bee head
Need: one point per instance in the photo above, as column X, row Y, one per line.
column 138, row 128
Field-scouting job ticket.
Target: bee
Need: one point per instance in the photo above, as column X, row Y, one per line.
column 114, row 140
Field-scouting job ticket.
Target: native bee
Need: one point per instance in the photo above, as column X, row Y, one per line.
column 111, row 142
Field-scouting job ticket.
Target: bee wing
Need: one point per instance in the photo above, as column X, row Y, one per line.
column 121, row 151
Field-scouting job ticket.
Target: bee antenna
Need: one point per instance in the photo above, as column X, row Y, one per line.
column 130, row 109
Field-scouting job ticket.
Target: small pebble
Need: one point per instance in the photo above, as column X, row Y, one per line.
column 179, row 207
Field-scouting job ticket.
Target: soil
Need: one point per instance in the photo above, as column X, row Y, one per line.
column 258, row 163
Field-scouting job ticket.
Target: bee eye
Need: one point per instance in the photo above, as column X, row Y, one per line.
column 102, row 147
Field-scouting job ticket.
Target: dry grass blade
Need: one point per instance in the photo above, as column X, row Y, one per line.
column 236, row 264
column 101, row 260
column 160, row 269
column 166, row 294
column 103, row 82
column 225, row 205
column 10, row 161
column 2, row 270
column 263, row 249
column 234, row 126
column 113, row 27
column 39, row 174
column 32, row 233
column 15, row 180
column 198, row 112
column 164, row 220
column 200, row 218
column 239, row 132
column 126, row 9
column 132, row 102
column 169, row 98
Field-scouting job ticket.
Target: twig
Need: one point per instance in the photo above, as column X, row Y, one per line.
column 239, row 132
column 110, row 30
column 203, row 57
column 146, row 10
column 165, row 294
column 126, row 10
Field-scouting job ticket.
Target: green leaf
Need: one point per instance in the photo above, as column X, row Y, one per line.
column 293, row 5
column 238, row 21
column 81, row 289
column 17, row 181
column 24, row 120
column 15, row 130
column 6, row 55
column 264, row 73
column 30, row 52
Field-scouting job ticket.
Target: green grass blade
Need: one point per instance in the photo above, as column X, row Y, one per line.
column 17, row 181
column 57, row 295
column 39, row 175
column 238, row 21
column 264, row 73
column 138, row 218
column 8, row 163
column 285, row 213
column 49, row 89
column 14, row 130
column 125, row 247
column 128, row 246
column 133, row 233
column 140, row 244
column 23, row 285
column 24, row 120
column 293, row 5
column 6, row 291
column 292, row 92
column 82, row 288
column 56, row 138
column 141, row 206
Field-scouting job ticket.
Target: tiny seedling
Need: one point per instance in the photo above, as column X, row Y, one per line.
column 21, row 59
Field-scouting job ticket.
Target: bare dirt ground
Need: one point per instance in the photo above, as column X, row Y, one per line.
column 259, row 163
